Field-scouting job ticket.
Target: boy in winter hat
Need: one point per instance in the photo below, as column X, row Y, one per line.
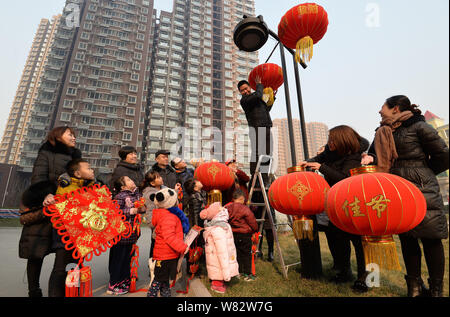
column 170, row 224
column 220, row 251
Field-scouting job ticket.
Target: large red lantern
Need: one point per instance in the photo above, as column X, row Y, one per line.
column 299, row 194
column 301, row 27
column 215, row 177
column 376, row 206
column 271, row 76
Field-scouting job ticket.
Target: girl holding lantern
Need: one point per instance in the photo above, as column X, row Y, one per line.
column 405, row 145
column 342, row 153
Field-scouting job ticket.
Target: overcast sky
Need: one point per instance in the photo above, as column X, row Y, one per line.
column 371, row 51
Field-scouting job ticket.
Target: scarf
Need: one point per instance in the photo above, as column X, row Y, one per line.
column 384, row 140
column 184, row 220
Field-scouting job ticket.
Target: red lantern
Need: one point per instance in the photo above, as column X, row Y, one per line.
column 271, row 76
column 376, row 206
column 299, row 194
column 301, row 27
column 215, row 177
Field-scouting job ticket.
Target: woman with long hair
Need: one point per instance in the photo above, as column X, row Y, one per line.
column 341, row 154
column 405, row 145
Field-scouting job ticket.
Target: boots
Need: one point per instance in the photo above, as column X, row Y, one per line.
column 416, row 287
column 436, row 286
column 37, row 293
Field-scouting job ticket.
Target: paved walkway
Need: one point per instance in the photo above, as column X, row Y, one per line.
column 13, row 270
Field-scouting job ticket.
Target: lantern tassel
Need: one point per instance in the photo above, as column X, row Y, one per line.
column 382, row 251
column 86, row 282
column 268, row 96
column 303, row 228
column 304, row 50
column 214, row 196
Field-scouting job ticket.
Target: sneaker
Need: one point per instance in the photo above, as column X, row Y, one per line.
column 249, row 277
column 218, row 289
column 116, row 290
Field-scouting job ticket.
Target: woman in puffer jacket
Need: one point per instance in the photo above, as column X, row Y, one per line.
column 407, row 146
column 221, row 259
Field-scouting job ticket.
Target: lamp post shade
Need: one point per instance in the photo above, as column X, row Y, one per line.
column 303, row 26
column 251, row 34
column 215, row 177
column 271, row 76
column 376, row 206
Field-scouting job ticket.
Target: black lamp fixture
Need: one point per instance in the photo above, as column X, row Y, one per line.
column 251, row 34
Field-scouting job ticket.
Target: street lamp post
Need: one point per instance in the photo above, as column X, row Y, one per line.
column 250, row 35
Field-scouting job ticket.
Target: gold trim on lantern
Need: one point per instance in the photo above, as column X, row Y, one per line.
column 214, row 196
column 382, row 251
column 302, row 227
column 363, row 170
column 294, row 169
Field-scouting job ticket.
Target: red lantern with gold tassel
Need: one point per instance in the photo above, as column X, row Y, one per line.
column 271, row 76
column 299, row 194
column 376, row 206
column 215, row 177
column 301, row 27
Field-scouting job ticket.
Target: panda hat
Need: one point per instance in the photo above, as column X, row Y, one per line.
column 165, row 198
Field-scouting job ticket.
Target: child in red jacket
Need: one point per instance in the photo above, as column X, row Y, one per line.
column 170, row 224
column 243, row 224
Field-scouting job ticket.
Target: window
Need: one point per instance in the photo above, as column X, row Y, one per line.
column 127, row 136
column 129, row 124
column 66, row 116
column 130, row 112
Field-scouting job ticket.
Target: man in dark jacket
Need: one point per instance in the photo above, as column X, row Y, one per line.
column 162, row 166
column 260, row 123
column 128, row 166
column 258, row 117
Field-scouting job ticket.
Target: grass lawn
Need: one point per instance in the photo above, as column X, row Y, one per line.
column 271, row 283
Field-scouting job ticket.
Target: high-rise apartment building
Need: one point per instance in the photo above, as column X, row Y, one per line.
column 121, row 75
column 317, row 136
column 195, row 71
column 32, row 80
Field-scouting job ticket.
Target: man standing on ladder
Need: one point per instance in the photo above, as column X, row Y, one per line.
column 260, row 123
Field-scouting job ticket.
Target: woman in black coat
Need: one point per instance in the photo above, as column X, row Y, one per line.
column 53, row 156
column 407, row 146
column 342, row 153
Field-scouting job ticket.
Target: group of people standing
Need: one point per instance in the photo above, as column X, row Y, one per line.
column 404, row 145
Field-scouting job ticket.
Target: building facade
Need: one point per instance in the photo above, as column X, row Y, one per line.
column 317, row 136
column 122, row 75
column 194, row 103
column 32, row 81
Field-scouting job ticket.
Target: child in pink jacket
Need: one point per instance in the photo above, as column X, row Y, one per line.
column 220, row 251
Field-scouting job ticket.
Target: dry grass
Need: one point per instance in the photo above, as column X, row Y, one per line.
column 270, row 281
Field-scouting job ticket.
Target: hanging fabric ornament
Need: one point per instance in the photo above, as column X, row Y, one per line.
column 271, row 76
column 376, row 206
column 301, row 27
column 89, row 222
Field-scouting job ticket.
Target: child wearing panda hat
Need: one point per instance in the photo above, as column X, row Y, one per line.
column 170, row 225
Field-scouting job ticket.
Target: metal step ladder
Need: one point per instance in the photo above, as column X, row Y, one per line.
column 267, row 169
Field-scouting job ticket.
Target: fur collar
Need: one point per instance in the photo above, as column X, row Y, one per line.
column 61, row 149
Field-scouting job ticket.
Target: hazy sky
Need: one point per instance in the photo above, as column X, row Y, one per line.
column 372, row 50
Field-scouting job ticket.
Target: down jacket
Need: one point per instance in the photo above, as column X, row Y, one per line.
column 242, row 219
column 169, row 243
column 220, row 251
column 422, row 154
column 256, row 110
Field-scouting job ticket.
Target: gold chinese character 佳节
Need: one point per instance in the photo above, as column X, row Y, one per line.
column 379, row 204
column 354, row 208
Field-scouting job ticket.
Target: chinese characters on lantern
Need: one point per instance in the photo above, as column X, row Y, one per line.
column 378, row 203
